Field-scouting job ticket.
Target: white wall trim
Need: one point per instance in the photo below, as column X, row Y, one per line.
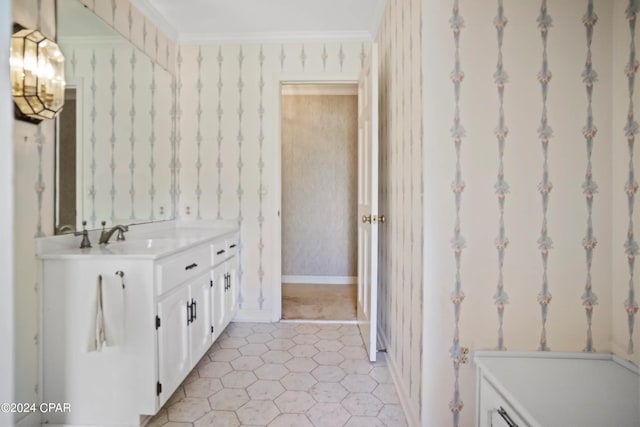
column 276, row 37
column 31, row 420
column 319, row 89
column 405, row 402
column 321, row 322
column 254, row 315
column 321, row 280
column 279, row 80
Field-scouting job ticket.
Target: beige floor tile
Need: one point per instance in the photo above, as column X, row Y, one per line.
column 238, row 379
column 202, row 387
column 291, row 420
column 392, row 416
column 285, row 375
column 325, row 373
column 271, row 371
column 386, row 393
column 357, row 383
column 294, row 402
column 188, row 409
column 228, row 399
column 328, row 392
column 364, row 422
column 247, row 363
column 218, row 419
column 364, row 404
column 265, row 390
column 328, row 415
column 301, row 364
column 299, row 381
column 258, row 412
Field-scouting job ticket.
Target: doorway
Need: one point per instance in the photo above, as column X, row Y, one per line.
column 319, row 169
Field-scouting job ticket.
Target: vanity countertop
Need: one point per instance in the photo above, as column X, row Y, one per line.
column 554, row 389
column 149, row 241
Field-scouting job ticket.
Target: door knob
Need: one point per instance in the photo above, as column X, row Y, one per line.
column 366, row 219
column 382, row 219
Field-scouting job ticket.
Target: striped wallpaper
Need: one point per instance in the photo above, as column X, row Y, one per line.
column 560, row 180
column 401, row 197
column 227, row 144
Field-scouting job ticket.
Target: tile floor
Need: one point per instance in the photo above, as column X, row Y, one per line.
column 285, row 375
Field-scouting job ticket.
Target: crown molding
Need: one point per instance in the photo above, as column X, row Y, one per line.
column 276, row 37
column 151, row 13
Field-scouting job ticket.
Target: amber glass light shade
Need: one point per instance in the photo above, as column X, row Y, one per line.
column 37, row 75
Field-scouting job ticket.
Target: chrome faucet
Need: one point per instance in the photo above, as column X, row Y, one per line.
column 106, row 235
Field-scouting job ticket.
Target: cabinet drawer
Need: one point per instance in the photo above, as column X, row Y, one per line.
column 184, row 266
column 232, row 245
column 495, row 410
column 219, row 252
column 223, row 249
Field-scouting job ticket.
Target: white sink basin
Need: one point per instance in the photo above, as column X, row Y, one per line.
column 144, row 246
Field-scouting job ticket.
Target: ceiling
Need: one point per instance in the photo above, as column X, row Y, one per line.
column 202, row 21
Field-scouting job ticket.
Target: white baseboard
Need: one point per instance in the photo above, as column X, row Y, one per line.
column 31, row 420
column 413, row 419
column 321, row 280
column 253, row 315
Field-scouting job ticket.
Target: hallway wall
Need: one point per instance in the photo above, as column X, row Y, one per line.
column 319, row 185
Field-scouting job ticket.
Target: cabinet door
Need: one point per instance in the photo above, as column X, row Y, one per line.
column 173, row 342
column 232, row 288
column 218, row 296
column 200, row 328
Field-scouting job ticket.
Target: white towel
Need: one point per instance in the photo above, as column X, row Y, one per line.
column 96, row 337
column 106, row 317
column 113, row 312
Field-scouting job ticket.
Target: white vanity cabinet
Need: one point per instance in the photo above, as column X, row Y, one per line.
column 175, row 302
column 183, row 322
column 494, row 409
column 555, row 389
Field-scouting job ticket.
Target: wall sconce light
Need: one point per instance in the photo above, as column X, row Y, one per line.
column 37, row 75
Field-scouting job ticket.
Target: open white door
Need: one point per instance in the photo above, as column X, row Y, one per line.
column 368, row 202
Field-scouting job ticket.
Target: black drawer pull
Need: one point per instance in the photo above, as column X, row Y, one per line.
column 506, row 417
column 189, row 267
column 220, row 252
column 189, row 319
column 232, row 246
column 194, row 310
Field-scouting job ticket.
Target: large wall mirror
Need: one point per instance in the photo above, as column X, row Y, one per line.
column 114, row 135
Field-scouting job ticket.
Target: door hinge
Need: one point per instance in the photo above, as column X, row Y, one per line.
column 157, row 322
column 158, row 388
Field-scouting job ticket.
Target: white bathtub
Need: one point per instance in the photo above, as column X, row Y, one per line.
column 547, row 389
